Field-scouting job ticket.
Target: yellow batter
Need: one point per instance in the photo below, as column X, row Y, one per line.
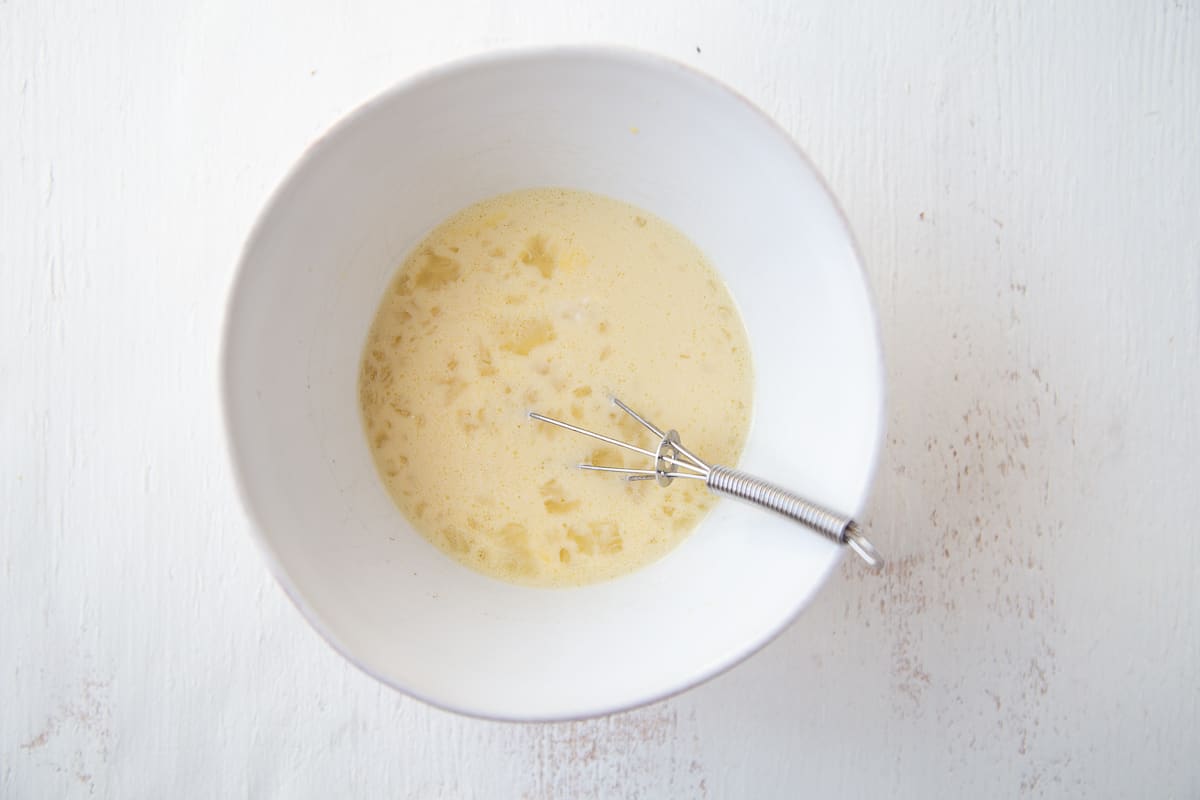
column 551, row 300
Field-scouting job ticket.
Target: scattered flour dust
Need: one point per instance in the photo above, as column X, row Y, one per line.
column 551, row 300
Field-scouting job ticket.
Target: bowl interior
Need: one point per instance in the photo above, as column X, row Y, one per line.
column 632, row 127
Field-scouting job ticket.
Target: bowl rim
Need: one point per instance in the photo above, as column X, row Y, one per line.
column 440, row 71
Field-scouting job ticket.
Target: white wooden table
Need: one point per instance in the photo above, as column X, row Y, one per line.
column 1024, row 179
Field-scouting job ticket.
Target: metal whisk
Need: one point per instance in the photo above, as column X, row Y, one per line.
column 672, row 460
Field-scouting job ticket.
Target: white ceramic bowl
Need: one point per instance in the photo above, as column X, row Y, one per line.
column 311, row 277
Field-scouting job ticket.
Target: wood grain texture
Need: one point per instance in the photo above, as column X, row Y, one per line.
column 1024, row 179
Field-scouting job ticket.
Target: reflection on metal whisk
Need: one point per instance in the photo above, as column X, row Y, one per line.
column 672, row 460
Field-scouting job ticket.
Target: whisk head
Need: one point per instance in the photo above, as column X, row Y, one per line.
column 671, row 459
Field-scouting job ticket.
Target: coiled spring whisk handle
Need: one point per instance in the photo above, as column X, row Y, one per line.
column 839, row 529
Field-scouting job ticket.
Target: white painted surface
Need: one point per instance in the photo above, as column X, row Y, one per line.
column 1025, row 183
